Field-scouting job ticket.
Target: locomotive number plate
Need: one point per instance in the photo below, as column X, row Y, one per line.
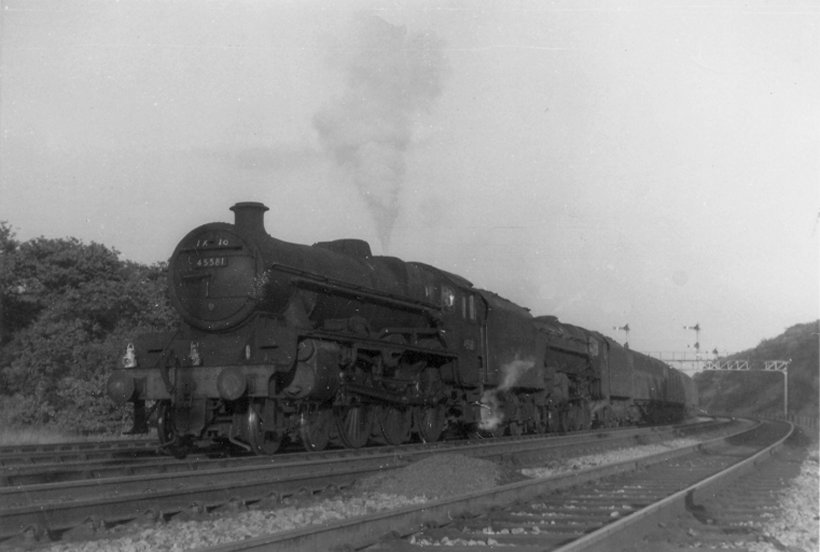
column 211, row 262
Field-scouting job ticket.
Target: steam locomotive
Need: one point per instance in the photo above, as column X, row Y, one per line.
column 331, row 344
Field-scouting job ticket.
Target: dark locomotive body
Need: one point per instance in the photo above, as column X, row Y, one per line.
column 331, row 343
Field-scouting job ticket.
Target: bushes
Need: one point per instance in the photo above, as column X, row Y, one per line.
column 68, row 311
column 762, row 392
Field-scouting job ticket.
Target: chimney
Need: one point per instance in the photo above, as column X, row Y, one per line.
column 249, row 217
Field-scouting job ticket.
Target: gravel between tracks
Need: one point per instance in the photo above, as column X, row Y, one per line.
column 434, row 477
column 797, row 527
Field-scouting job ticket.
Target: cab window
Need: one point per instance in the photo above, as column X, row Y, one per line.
column 448, row 297
column 468, row 307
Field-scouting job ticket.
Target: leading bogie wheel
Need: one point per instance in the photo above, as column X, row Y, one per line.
column 395, row 424
column 430, row 422
column 354, row 425
column 260, row 440
column 315, row 427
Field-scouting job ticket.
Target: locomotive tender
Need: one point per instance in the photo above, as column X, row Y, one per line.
column 328, row 342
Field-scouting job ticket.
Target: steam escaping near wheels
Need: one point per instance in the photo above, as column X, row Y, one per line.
column 492, row 414
column 513, row 371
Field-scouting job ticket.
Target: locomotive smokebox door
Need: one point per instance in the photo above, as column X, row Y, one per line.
column 216, row 276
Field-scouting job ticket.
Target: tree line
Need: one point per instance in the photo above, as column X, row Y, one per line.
column 68, row 311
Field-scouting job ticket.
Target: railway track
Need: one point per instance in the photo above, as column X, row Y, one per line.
column 586, row 510
column 53, row 465
column 47, row 511
column 732, row 513
column 208, row 484
column 32, row 455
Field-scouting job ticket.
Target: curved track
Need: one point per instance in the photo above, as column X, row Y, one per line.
column 206, row 485
column 567, row 512
column 61, row 463
column 728, row 513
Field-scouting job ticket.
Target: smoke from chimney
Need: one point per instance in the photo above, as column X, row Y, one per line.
column 391, row 76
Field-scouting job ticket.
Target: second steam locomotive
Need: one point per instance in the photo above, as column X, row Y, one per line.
column 329, row 343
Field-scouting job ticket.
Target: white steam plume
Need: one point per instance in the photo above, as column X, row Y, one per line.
column 513, row 371
column 492, row 412
column 391, row 76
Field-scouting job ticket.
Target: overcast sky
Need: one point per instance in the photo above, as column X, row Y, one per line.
column 650, row 163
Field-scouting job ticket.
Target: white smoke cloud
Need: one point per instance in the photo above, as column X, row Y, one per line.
column 391, row 77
